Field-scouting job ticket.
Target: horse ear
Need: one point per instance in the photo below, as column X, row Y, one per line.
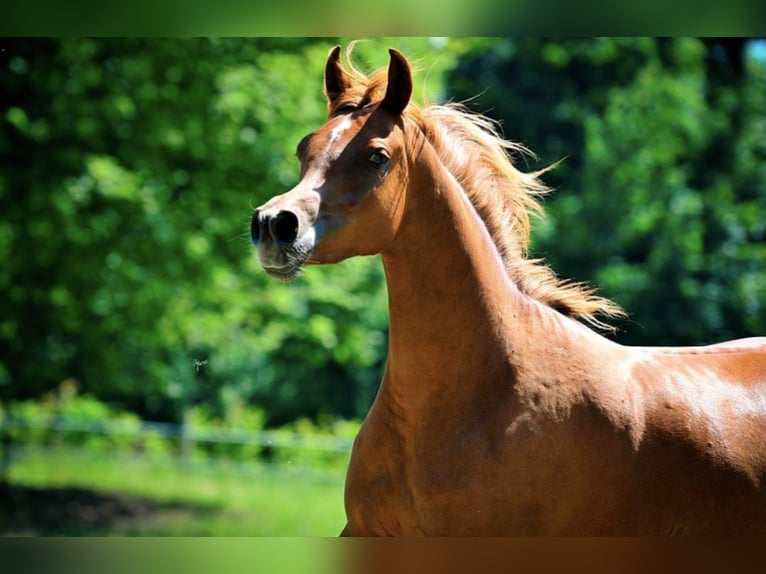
column 399, row 89
column 336, row 80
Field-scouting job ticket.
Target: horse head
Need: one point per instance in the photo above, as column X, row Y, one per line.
column 353, row 172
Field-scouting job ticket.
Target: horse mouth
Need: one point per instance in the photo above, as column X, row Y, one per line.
column 285, row 273
column 287, row 266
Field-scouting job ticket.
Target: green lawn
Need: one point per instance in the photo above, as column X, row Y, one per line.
column 77, row 492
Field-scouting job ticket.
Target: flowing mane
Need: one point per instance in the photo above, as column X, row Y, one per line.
column 471, row 148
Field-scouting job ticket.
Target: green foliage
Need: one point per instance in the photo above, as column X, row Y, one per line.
column 69, row 419
column 661, row 195
column 227, row 435
column 86, row 417
column 131, row 169
column 315, row 446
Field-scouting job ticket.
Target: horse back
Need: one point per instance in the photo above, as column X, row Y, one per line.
column 713, row 398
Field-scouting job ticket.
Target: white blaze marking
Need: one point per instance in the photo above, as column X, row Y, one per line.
column 339, row 129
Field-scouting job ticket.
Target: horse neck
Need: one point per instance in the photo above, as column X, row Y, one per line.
column 454, row 312
column 461, row 333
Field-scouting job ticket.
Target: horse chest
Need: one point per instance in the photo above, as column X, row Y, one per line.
column 379, row 500
column 401, row 485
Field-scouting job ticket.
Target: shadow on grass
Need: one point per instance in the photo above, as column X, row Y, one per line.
column 33, row 511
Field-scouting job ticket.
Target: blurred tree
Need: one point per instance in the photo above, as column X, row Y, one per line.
column 660, row 198
column 129, row 171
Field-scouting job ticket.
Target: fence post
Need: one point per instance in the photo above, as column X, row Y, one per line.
column 186, row 439
column 189, row 398
column 6, row 443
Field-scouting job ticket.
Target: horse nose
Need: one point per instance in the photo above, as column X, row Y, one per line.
column 281, row 227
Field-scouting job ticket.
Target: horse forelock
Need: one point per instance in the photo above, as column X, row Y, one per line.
column 471, row 148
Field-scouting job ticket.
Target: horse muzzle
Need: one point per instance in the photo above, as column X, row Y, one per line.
column 284, row 237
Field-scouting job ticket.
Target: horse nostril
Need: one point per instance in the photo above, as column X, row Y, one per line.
column 284, row 226
column 255, row 228
column 281, row 228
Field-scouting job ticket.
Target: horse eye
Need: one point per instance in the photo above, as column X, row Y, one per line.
column 378, row 159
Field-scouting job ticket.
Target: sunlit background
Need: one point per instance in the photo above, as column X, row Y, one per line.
column 154, row 381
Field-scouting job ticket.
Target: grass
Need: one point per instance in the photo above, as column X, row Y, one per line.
column 77, row 492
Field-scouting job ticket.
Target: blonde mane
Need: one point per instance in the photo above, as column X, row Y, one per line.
column 471, row 148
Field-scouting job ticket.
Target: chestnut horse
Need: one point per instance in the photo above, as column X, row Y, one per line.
column 499, row 412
